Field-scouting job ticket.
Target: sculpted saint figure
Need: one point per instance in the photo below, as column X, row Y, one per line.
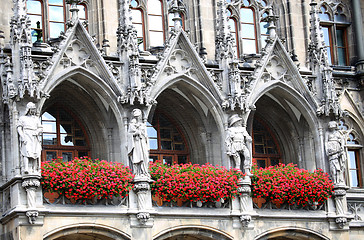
column 30, row 136
column 335, row 152
column 237, row 142
column 138, row 148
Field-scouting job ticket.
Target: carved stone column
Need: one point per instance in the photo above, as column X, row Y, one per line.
column 246, row 203
column 142, row 190
column 31, row 183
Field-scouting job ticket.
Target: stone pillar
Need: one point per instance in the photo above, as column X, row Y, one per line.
column 358, row 26
column 246, row 203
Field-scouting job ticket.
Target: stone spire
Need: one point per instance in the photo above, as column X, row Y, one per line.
column 19, row 69
column 176, row 8
column 319, row 64
column 129, row 54
column 74, row 10
column 224, row 39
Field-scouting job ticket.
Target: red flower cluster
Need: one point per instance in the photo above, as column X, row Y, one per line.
column 289, row 184
column 86, row 179
column 189, row 182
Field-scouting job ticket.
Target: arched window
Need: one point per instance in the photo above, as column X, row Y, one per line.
column 57, row 12
column 248, row 25
column 152, row 22
column 265, row 147
column 166, row 141
column 63, row 135
column 353, row 147
column 334, row 24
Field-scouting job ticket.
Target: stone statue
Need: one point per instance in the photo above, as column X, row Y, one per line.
column 30, row 136
column 335, row 152
column 138, row 147
column 237, row 142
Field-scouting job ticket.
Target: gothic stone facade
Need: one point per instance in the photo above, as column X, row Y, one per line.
column 286, row 68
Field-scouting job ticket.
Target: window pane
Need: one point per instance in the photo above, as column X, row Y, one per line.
column 55, row 29
column 248, row 31
column 153, row 158
column 153, row 144
column 246, row 15
column 56, row 14
column 82, row 154
column 156, row 23
column 340, row 18
column 51, row 155
column 249, row 46
column 354, row 178
column 156, row 39
column 56, row 2
column 139, row 29
column 34, row 7
column 274, row 162
column 341, row 56
column 66, row 140
column 325, row 31
column 49, row 139
column 67, row 156
column 48, row 117
column 136, row 16
column 168, row 160
column 340, row 37
column 166, row 145
column 34, row 21
column 154, row 7
column 165, row 133
column 49, row 127
column 65, row 128
column 352, row 160
column 134, row 3
column 152, row 133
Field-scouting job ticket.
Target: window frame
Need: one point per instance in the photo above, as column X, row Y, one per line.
column 58, row 147
column 45, row 16
column 257, row 12
column 333, row 26
column 264, row 156
column 159, row 153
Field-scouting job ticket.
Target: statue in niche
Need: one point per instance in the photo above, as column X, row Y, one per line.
column 237, row 142
column 30, row 135
column 336, row 154
column 138, row 148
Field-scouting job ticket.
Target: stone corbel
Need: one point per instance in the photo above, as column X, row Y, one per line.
column 342, row 218
column 142, row 190
column 246, row 203
column 31, row 183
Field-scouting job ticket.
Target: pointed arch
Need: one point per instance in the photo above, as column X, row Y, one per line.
column 95, row 104
column 293, row 121
column 198, row 114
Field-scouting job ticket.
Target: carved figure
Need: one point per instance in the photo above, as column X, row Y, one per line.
column 30, row 134
column 237, row 142
column 335, row 152
column 138, row 147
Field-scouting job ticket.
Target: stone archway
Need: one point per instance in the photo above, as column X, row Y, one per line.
column 291, row 234
column 86, row 232
column 192, row 233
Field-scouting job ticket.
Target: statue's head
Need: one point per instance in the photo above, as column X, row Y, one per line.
column 137, row 113
column 31, row 108
column 332, row 125
column 234, row 119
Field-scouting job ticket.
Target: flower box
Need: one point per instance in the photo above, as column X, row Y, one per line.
column 85, row 180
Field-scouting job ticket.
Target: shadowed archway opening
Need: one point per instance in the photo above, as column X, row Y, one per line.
column 193, row 233
column 291, row 234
